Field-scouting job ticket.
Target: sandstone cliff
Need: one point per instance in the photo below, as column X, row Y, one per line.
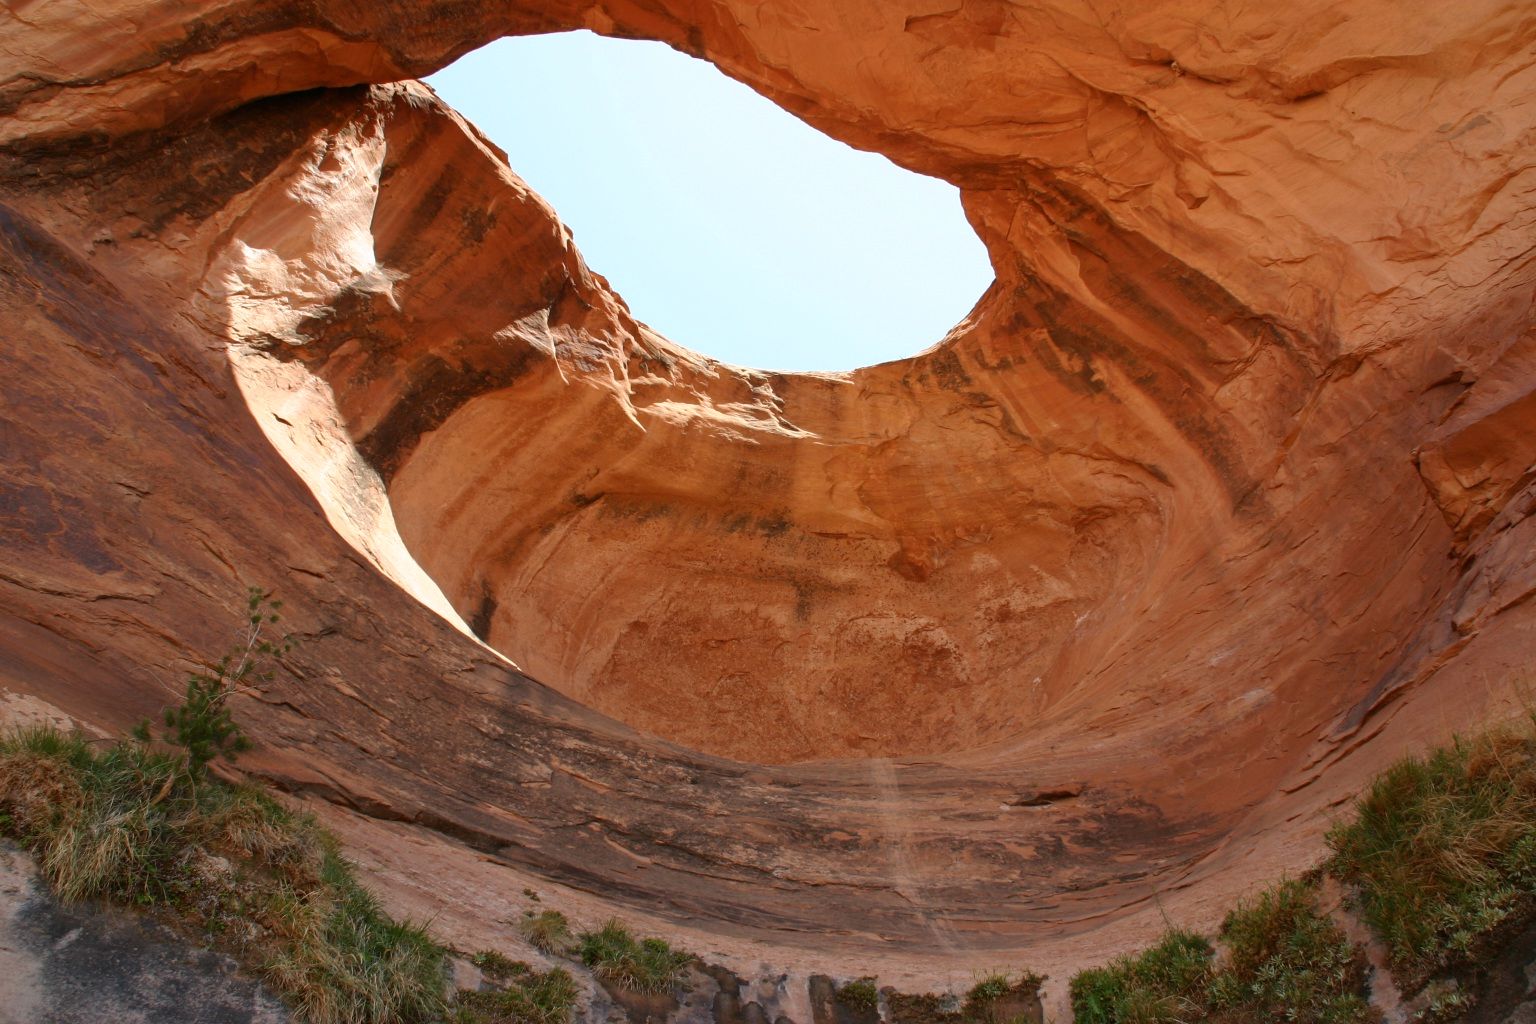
column 1218, row 498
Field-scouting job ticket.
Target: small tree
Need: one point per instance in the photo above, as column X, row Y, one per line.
column 201, row 724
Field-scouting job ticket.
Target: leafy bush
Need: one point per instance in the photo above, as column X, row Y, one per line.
column 860, row 994
column 1288, row 962
column 988, row 989
column 1285, row 962
column 1442, row 852
column 1162, row 985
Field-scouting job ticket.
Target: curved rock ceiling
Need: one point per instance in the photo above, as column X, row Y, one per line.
column 1218, row 499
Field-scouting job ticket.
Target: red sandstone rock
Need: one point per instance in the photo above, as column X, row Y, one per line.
column 1219, row 498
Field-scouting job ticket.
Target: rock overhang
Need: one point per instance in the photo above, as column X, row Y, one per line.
column 1153, row 507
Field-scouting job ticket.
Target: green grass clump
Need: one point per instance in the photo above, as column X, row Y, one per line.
column 1442, row 852
column 548, row 931
column 860, row 994
column 1162, row 985
column 130, row 824
column 528, row 996
column 1288, row 962
column 644, row 965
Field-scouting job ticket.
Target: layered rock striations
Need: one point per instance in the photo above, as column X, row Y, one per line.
column 1217, row 499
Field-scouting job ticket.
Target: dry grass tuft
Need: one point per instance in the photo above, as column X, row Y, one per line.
column 549, row 932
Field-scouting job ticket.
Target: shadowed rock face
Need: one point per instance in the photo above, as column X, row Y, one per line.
column 1216, row 500
column 90, row 965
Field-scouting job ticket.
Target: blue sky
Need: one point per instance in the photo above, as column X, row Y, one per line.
column 726, row 223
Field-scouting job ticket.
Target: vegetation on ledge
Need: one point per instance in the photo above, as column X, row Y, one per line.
column 1442, row 852
column 132, row 825
column 648, row 966
column 1439, row 856
column 993, row 996
column 549, row 932
column 144, row 823
column 1285, row 961
column 860, row 994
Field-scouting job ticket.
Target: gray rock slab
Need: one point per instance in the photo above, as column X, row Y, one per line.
column 95, row 965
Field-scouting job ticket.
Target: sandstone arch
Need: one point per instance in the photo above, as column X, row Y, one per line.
column 1217, row 498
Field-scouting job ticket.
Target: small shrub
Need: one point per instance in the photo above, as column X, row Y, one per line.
column 988, row 989
column 201, row 724
column 1285, row 962
column 860, row 994
column 647, row 965
column 1445, row 1003
column 549, row 932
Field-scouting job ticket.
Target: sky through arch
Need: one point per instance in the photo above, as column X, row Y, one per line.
column 727, row 224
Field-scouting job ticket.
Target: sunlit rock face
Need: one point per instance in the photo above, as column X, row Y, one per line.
column 1216, row 500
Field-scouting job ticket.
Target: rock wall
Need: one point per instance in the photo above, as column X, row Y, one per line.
column 1217, row 500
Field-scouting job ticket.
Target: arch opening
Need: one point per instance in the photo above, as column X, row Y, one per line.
column 728, row 225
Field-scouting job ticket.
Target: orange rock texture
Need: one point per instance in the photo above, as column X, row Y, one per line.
column 1218, row 499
